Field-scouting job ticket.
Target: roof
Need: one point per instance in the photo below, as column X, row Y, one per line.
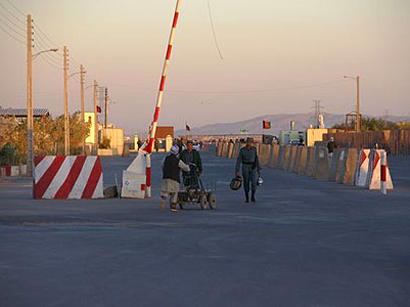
column 163, row 131
column 23, row 112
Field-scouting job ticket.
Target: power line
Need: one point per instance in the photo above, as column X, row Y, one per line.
column 38, row 39
column 47, row 54
column 213, row 29
column 11, row 21
column 12, row 36
column 256, row 90
column 12, row 29
column 11, row 13
column 45, row 35
column 45, row 59
column 16, row 8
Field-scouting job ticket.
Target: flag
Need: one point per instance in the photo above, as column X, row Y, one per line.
column 266, row 124
column 98, row 109
column 187, row 128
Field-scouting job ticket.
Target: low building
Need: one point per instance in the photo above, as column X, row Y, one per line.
column 163, row 138
column 116, row 137
column 21, row 114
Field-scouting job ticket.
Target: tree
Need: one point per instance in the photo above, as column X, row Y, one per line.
column 48, row 135
column 371, row 124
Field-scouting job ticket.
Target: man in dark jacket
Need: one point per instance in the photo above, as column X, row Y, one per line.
column 331, row 145
column 250, row 166
column 191, row 156
column 171, row 178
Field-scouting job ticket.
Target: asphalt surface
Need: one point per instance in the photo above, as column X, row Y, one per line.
column 304, row 243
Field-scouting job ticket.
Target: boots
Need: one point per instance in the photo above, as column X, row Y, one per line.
column 253, row 197
column 173, row 207
column 162, row 205
column 246, row 197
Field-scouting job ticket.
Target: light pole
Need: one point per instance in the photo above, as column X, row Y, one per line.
column 358, row 116
column 30, row 58
column 81, row 72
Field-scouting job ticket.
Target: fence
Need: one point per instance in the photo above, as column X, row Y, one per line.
column 395, row 142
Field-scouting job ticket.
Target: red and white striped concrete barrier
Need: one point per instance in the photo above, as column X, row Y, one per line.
column 383, row 172
column 362, row 168
column 13, row 170
column 68, row 177
column 5, row 171
column 375, row 171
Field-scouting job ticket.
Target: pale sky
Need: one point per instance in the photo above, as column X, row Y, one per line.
column 278, row 57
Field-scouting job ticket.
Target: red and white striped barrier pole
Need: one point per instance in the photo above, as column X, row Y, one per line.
column 383, row 171
column 153, row 131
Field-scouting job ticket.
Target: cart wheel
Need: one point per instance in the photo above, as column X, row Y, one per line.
column 212, row 200
column 203, row 201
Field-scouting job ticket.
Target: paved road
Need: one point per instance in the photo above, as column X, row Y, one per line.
column 304, row 243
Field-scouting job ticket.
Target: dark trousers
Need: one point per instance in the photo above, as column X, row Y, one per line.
column 249, row 177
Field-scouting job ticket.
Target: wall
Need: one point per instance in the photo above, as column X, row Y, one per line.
column 87, row 116
column 116, row 136
column 396, row 142
column 313, row 135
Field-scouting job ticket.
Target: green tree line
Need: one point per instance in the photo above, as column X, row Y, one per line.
column 375, row 124
column 48, row 137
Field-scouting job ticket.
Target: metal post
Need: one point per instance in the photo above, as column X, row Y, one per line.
column 358, row 119
column 66, row 114
column 163, row 77
column 82, row 72
column 95, row 118
column 383, row 171
column 30, row 149
column 106, row 107
column 153, row 129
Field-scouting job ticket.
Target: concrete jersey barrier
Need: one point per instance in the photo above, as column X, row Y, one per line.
column 264, row 154
column 224, row 149
column 68, row 177
column 302, row 161
column 362, row 168
column 374, row 174
column 321, row 163
column 292, row 155
column 334, row 163
column 296, row 161
column 274, row 156
column 286, row 157
column 350, row 167
column 231, row 146
column 310, row 165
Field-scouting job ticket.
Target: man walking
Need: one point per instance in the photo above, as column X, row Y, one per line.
column 331, row 145
column 191, row 156
column 250, row 166
column 171, row 178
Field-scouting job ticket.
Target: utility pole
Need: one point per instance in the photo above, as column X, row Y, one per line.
column 82, row 72
column 358, row 116
column 66, row 114
column 106, row 107
column 30, row 150
column 318, row 109
column 357, row 123
column 95, row 118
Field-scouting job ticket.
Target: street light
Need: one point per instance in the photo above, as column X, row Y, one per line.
column 81, row 72
column 357, row 122
column 30, row 58
column 44, row 51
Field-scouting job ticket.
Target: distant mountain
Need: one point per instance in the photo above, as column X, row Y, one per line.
column 279, row 122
